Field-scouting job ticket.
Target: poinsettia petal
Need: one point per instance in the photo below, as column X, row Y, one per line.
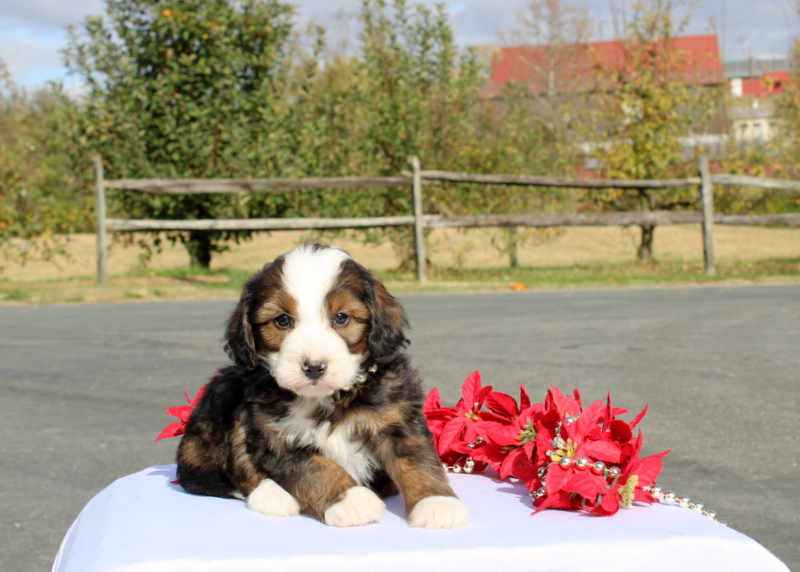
column 620, row 431
column 524, row 400
column 550, row 420
column 586, row 484
column 520, row 466
column 180, row 411
column 577, row 395
column 609, row 505
column 557, row 400
column 432, row 401
column 557, row 477
column 502, row 404
column 487, row 416
column 584, row 423
column 175, row 429
column 482, row 395
column 560, row 500
column 648, row 468
column 451, row 432
column 491, row 454
column 471, row 388
column 503, row 435
column 639, row 417
column 606, row 451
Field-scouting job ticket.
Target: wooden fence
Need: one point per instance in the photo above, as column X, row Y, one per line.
column 415, row 179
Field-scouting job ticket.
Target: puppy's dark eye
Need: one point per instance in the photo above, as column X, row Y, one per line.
column 341, row 319
column 283, row 321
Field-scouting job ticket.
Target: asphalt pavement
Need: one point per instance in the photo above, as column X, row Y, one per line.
column 83, row 389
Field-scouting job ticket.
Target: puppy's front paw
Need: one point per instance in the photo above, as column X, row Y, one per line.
column 271, row 499
column 358, row 507
column 439, row 512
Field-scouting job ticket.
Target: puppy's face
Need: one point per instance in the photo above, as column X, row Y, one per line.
column 314, row 318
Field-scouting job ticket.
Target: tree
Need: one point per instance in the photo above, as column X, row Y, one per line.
column 406, row 92
column 642, row 109
column 186, row 89
column 788, row 144
column 549, row 45
column 42, row 176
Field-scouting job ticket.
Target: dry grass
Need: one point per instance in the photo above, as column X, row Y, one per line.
column 611, row 248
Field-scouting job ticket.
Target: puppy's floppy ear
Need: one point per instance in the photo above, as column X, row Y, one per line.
column 386, row 337
column 239, row 343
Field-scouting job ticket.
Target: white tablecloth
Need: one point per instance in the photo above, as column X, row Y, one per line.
column 142, row 522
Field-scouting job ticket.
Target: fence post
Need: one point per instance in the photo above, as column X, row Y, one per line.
column 100, row 220
column 419, row 234
column 707, row 201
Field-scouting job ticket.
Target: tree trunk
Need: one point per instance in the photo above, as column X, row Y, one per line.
column 200, row 247
column 645, row 250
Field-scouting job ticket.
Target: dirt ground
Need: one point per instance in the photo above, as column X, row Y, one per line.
column 446, row 248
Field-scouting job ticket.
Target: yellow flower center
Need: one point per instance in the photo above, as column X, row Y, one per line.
column 527, row 434
column 562, row 449
column 626, row 491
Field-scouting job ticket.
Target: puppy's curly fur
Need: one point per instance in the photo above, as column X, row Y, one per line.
column 321, row 412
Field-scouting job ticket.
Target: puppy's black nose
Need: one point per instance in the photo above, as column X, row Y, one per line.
column 314, row 370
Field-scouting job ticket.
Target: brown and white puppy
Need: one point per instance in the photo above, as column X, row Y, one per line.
column 321, row 412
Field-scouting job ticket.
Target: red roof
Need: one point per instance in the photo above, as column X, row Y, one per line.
column 769, row 83
column 699, row 62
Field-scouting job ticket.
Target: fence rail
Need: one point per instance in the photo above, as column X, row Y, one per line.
column 193, row 186
column 415, row 179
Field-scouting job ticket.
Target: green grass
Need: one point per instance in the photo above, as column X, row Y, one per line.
column 192, row 283
column 12, row 294
column 600, row 275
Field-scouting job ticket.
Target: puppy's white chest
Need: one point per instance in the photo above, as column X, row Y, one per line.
column 335, row 443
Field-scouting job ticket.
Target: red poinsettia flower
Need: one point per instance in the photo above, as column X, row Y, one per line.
column 510, row 447
column 182, row 412
column 573, row 458
column 455, row 429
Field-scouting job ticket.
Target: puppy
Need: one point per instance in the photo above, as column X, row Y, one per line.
column 321, row 413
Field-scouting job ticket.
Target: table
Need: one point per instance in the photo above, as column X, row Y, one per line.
column 145, row 522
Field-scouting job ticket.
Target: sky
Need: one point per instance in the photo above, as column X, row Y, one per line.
column 33, row 32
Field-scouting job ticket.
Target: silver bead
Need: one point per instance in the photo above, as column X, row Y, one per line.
column 565, row 462
column 656, row 491
column 554, row 444
column 697, row 507
column 669, row 497
column 570, row 420
column 599, row 468
column 614, row 472
column 722, row 522
column 456, row 468
column 711, row 514
column 445, row 466
column 544, row 481
column 541, row 472
column 582, row 463
column 684, row 502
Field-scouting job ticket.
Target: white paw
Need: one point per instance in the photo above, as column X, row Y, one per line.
column 271, row 499
column 358, row 507
column 439, row 512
